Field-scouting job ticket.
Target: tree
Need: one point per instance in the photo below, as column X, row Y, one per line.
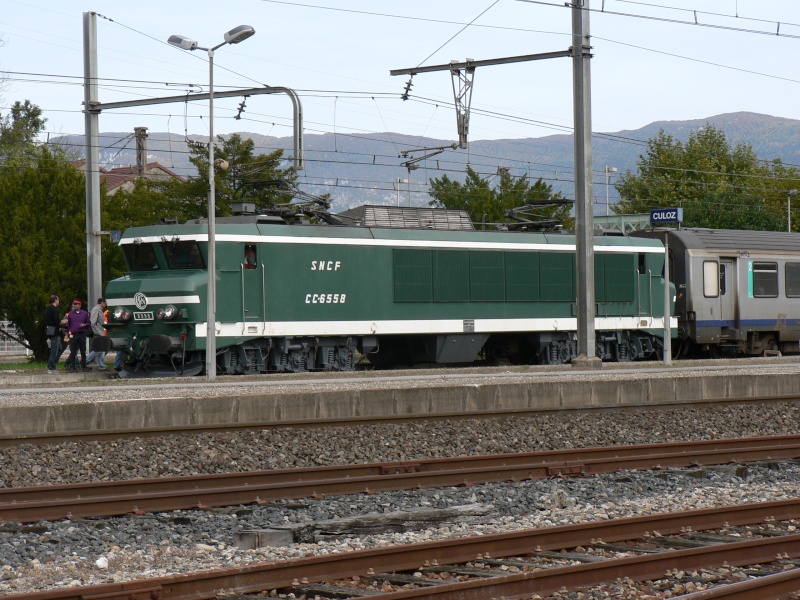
column 717, row 185
column 42, row 234
column 248, row 178
column 19, row 129
column 486, row 204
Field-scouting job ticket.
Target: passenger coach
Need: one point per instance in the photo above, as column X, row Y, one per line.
column 738, row 292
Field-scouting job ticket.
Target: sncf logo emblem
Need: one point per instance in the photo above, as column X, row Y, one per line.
column 140, row 300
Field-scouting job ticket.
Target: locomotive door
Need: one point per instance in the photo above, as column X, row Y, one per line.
column 240, row 290
column 252, row 278
column 727, row 293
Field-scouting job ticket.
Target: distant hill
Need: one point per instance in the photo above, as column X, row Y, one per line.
column 365, row 168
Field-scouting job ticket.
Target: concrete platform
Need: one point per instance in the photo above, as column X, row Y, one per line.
column 18, row 378
column 92, row 402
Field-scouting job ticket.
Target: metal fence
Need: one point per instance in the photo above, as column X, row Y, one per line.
column 10, row 347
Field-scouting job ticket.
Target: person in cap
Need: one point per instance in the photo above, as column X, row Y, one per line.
column 77, row 325
column 97, row 319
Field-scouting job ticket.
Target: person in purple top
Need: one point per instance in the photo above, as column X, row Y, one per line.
column 78, row 324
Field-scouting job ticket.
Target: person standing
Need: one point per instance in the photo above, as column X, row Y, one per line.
column 77, row 326
column 97, row 322
column 53, row 323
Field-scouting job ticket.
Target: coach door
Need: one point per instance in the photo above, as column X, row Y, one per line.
column 727, row 293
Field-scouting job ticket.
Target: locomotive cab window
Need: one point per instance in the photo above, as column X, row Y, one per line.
column 140, row 257
column 250, row 258
column 711, row 279
column 765, row 280
column 793, row 280
column 183, row 255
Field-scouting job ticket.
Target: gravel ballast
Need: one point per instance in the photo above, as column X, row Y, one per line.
column 46, row 555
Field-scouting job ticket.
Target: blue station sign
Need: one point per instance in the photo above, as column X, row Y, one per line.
column 666, row 215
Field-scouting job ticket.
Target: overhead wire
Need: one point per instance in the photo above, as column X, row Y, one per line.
column 511, row 118
column 694, row 23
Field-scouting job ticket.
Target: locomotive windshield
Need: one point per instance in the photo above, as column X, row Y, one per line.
column 183, row 255
column 140, row 257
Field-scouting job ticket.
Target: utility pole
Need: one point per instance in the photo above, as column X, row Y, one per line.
column 94, row 274
column 584, row 219
column 582, row 110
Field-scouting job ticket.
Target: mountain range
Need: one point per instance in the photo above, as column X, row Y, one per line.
column 365, row 168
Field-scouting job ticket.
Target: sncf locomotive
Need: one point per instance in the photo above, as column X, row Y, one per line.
column 394, row 288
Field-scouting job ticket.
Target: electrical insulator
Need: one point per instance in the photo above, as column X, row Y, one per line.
column 409, row 85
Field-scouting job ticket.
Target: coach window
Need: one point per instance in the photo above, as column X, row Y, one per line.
column 250, row 256
column 711, row 279
column 765, row 280
column 793, row 280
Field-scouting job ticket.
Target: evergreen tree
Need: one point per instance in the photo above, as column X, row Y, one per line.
column 248, row 178
column 43, row 236
column 493, row 205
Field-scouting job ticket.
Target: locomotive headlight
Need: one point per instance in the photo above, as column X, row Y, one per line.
column 121, row 314
column 168, row 312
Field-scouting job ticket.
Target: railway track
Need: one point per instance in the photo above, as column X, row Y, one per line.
column 35, row 503
column 514, row 565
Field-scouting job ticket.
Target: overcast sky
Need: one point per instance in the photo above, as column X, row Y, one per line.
column 337, row 54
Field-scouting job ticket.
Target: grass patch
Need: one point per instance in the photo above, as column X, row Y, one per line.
column 22, row 365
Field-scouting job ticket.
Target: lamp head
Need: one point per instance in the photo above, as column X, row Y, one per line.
column 239, row 34
column 182, row 42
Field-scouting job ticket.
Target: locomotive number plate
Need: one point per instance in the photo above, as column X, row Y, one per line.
column 143, row 316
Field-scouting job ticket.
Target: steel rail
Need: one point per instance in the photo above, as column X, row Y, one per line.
column 277, row 575
column 638, row 568
column 779, row 585
column 95, row 499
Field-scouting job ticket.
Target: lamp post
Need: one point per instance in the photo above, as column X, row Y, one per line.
column 789, row 195
column 234, row 36
column 608, row 171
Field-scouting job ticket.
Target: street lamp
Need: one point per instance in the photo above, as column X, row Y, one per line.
column 608, row 170
column 789, row 195
column 234, row 36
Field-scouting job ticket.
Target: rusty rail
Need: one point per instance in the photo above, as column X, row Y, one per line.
column 777, row 586
column 638, row 568
column 267, row 576
column 30, row 504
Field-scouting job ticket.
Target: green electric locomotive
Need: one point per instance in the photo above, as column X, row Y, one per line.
column 300, row 296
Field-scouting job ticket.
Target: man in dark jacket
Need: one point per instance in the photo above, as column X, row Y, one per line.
column 77, row 326
column 52, row 323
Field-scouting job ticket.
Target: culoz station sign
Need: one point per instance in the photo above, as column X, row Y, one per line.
column 666, row 215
